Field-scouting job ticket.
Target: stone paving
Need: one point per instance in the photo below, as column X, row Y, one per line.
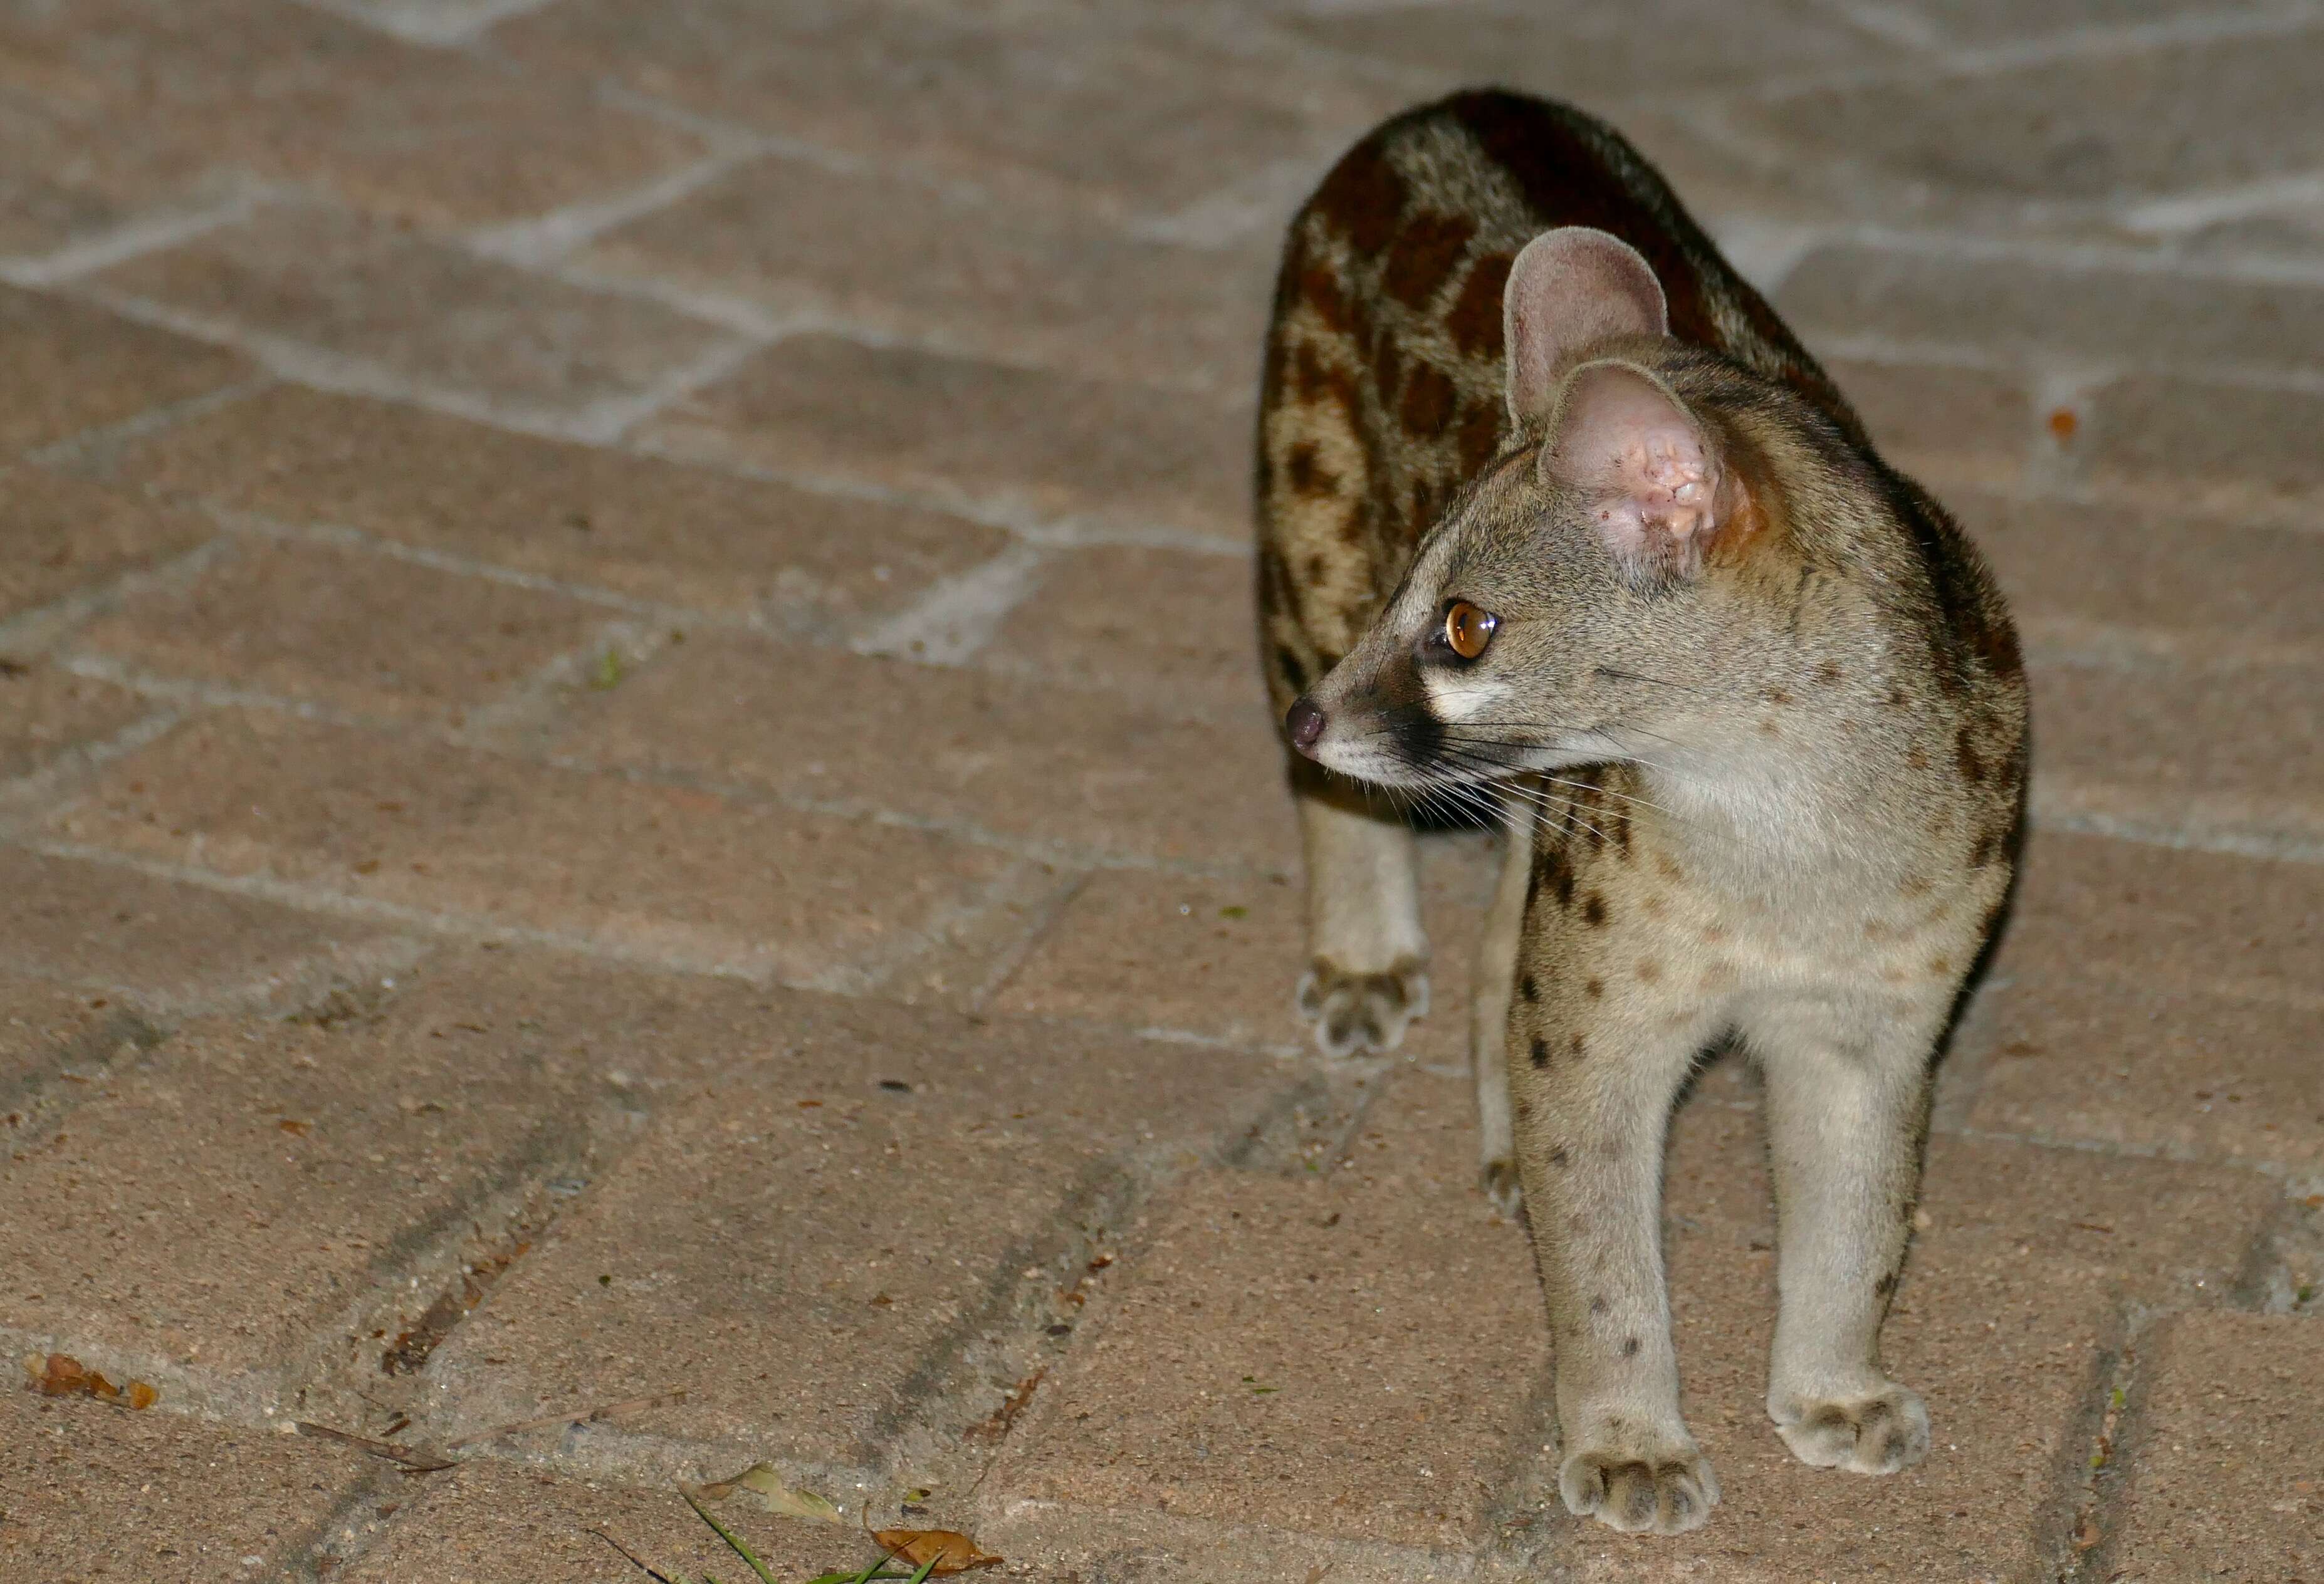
column 630, row 763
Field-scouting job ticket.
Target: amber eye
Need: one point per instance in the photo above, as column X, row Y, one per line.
column 1468, row 630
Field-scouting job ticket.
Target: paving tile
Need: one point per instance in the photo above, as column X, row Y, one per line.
column 2235, row 451
column 2223, row 1472
column 2167, row 917
column 2104, row 579
column 2036, row 311
column 1944, row 425
column 634, row 525
column 1663, row 46
column 425, row 311
column 849, row 1256
column 1039, row 761
column 47, row 714
column 69, row 536
column 327, row 1160
column 2220, row 751
column 667, row 873
column 1029, row 440
column 1219, row 958
column 91, row 1492
column 74, row 367
column 1107, row 105
column 327, row 625
column 43, row 1025
column 1355, row 1354
column 68, row 176
column 1170, row 626
column 334, row 1154
column 901, row 254
column 486, row 1523
column 2111, row 1060
column 2100, row 125
column 439, row 136
column 1996, row 21
column 164, row 945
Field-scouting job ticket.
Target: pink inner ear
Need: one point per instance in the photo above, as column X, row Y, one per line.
column 1621, row 440
column 1567, row 289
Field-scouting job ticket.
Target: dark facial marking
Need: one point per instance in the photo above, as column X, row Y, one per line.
column 1304, row 474
column 1529, row 989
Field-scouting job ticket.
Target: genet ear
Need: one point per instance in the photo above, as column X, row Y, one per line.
column 1567, row 289
column 1649, row 477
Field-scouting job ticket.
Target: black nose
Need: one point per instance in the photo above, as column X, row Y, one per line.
column 1304, row 722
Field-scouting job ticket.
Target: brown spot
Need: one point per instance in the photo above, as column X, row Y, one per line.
column 1828, row 673
column 1321, row 290
column 1429, row 400
column 1665, row 866
column 1475, row 321
column 1480, row 437
column 1595, row 988
column 1304, row 474
column 1917, row 885
column 1940, row 965
column 1540, row 1053
column 1917, row 760
column 1649, row 971
column 1593, row 910
column 1630, row 1347
column 1427, row 252
column 2063, row 423
column 1599, row 1305
column 1712, row 934
column 1775, row 696
column 1529, row 990
column 1558, row 1155
column 1972, row 767
column 1316, row 383
column 1578, row 1044
column 1363, row 198
column 1896, row 698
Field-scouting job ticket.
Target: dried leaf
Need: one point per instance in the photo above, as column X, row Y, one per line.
column 940, row 1550
column 762, row 1481
column 61, row 1374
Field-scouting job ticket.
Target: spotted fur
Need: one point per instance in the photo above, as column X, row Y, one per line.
column 1753, row 707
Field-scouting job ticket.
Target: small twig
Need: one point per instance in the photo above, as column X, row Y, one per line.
column 647, row 1569
column 416, row 1462
column 579, row 1416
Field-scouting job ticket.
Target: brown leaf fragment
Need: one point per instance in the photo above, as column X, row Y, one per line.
column 141, row 1396
column 949, row 1550
column 60, row 1375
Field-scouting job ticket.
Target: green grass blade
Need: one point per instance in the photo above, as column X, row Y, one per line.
column 926, row 1568
column 729, row 1537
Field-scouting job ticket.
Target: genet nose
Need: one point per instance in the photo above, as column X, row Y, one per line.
column 1304, row 722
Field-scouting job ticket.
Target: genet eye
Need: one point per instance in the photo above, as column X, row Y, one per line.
column 1468, row 630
